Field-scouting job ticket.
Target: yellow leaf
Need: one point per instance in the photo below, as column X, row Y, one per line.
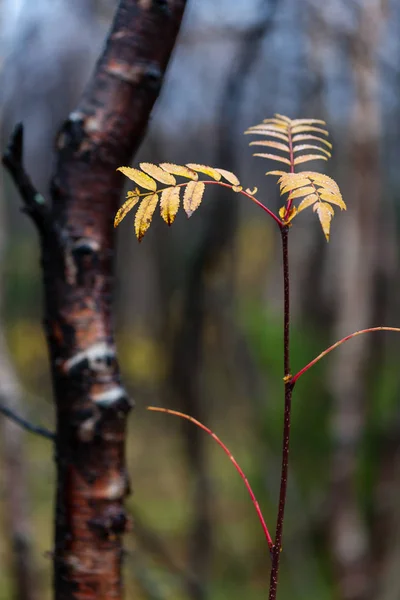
column 308, row 201
column 283, row 118
column 301, row 147
column 193, row 195
column 281, row 136
column 276, row 145
column 325, row 213
column 138, row 177
column 231, row 177
column 169, row 204
column 274, row 157
column 158, row 173
column 308, row 122
column 302, row 191
column 210, row 171
column 277, row 121
column 308, row 157
column 307, row 128
column 133, row 199
column 334, row 198
column 323, row 180
column 237, row 188
column 301, row 137
column 291, row 215
column 179, row 170
column 292, row 181
column 253, row 191
column 275, row 173
column 144, row 215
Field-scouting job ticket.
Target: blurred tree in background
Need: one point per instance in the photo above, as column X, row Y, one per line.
column 198, row 310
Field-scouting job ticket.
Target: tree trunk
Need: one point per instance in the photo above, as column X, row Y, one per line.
column 77, row 241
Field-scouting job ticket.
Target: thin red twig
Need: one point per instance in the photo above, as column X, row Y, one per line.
column 339, row 343
column 236, row 465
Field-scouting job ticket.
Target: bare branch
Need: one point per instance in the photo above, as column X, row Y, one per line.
column 25, row 424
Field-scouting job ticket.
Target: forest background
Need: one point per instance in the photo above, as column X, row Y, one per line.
column 198, row 308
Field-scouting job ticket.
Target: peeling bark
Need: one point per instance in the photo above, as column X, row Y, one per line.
column 77, row 241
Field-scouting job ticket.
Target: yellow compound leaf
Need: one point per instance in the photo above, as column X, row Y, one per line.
column 277, row 145
column 210, row 171
column 138, row 177
column 169, row 204
column 308, row 128
column 302, row 147
column 193, row 196
column 308, row 201
column 302, row 191
column 132, row 200
column 274, row 157
column 158, row 173
column 179, row 170
column 230, row 177
column 333, row 198
column 301, row 137
column 144, row 215
column 308, row 157
column 325, row 213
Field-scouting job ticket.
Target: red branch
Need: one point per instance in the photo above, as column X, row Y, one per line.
column 228, row 453
column 336, row 345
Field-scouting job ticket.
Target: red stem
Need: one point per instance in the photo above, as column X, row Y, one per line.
column 236, row 465
column 291, row 158
column 339, row 343
column 260, row 204
column 286, row 426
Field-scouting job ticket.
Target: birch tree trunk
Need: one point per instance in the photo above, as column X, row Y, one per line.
column 77, row 243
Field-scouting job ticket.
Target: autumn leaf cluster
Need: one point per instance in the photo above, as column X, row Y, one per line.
column 292, row 142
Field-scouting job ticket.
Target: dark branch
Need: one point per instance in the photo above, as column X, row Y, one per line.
column 42, row 431
column 34, row 203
